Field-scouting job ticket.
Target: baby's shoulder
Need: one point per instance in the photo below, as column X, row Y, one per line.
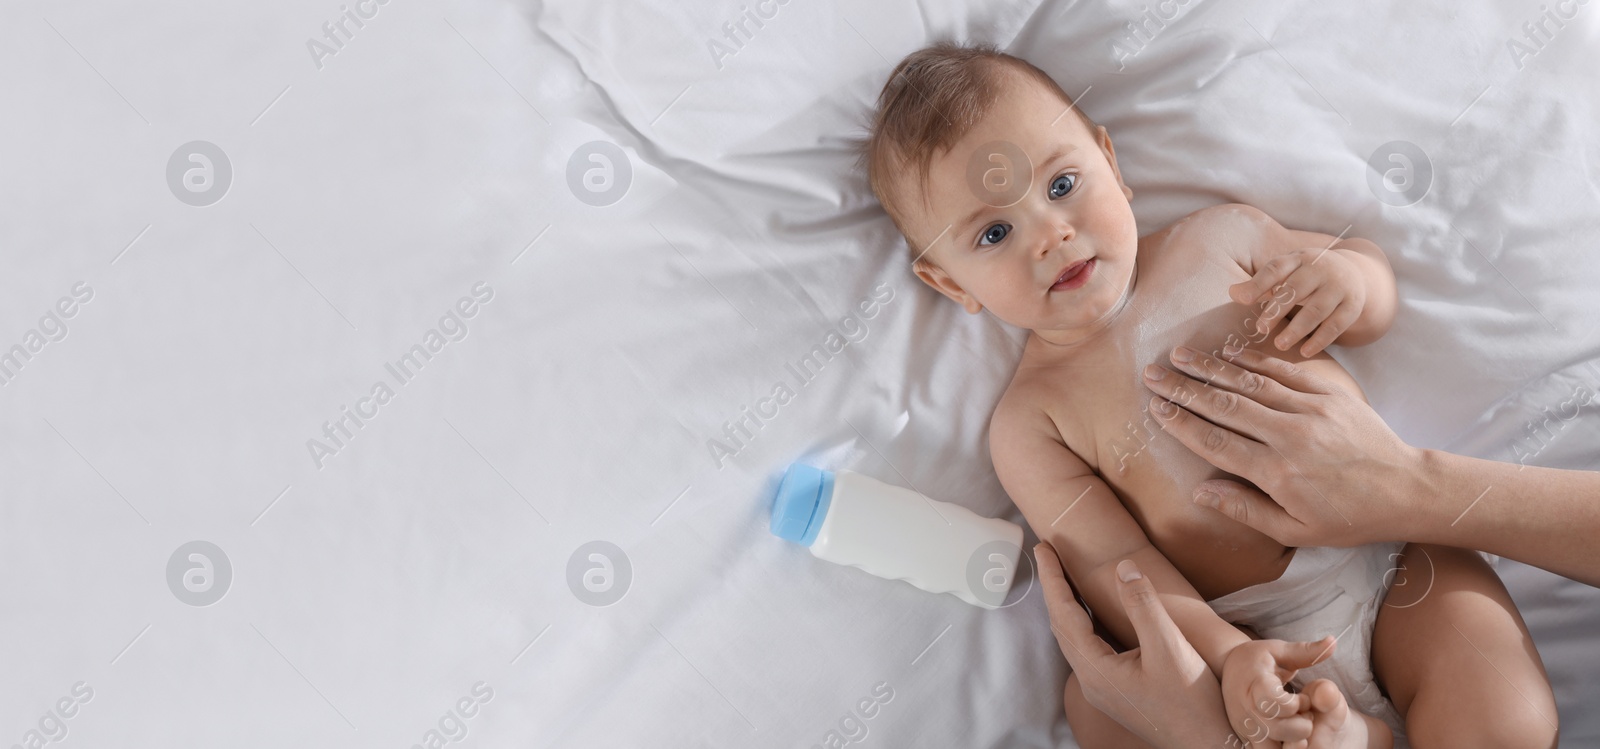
column 1227, row 230
column 1021, row 423
column 1228, row 214
column 1020, row 406
column 1028, row 403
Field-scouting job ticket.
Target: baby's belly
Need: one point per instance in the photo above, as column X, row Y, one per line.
column 1155, row 476
column 1217, row 555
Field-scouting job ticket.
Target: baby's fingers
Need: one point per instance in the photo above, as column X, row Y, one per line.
column 1312, row 313
column 1254, row 733
column 1293, row 656
column 1286, row 296
column 1335, row 326
column 1284, row 714
column 1275, row 272
column 1290, row 728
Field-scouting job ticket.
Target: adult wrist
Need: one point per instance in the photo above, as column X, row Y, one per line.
column 1424, row 475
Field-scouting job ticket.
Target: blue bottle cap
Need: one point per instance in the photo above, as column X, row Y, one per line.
column 802, row 503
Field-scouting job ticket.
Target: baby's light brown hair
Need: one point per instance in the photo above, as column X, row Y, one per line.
column 932, row 99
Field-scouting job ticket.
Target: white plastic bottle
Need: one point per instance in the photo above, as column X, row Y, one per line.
column 896, row 533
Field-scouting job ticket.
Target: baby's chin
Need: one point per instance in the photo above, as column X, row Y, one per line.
column 1080, row 316
column 1091, row 309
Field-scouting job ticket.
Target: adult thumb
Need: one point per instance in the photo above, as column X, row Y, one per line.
column 1157, row 633
column 1247, row 505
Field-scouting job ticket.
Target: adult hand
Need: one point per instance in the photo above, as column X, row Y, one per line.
column 1161, row 691
column 1336, row 474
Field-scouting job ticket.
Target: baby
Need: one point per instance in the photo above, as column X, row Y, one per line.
column 1011, row 199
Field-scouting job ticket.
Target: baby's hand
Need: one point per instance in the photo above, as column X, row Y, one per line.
column 1261, row 711
column 1325, row 285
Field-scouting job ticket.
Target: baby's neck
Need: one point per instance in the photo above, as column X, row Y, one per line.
column 1064, row 341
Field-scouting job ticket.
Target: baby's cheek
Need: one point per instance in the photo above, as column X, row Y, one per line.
column 1109, row 222
column 1126, row 229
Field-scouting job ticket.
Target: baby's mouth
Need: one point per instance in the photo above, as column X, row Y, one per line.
column 1074, row 275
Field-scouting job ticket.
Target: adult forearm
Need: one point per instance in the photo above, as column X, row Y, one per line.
column 1544, row 517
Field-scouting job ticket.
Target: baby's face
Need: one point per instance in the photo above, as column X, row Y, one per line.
column 1047, row 244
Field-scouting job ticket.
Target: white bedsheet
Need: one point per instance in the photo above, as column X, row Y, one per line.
column 395, row 582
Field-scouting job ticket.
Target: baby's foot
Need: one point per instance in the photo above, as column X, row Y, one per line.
column 1335, row 726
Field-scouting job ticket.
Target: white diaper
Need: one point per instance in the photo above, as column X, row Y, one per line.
column 1327, row 591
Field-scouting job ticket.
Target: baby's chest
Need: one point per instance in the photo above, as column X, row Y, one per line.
column 1103, row 413
column 1099, row 399
column 1153, row 476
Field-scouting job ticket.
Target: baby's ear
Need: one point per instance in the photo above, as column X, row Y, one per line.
column 941, row 282
column 1103, row 138
column 926, row 271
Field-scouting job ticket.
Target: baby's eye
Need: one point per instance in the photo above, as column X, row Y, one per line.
column 1062, row 185
column 994, row 234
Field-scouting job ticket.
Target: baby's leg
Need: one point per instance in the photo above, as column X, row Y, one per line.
column 1454, row 656
column 1093, row 729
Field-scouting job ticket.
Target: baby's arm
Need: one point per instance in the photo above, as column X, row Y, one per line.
column 1068, row 505
column 1344, row 287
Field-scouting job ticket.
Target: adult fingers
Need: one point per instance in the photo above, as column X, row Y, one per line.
column 1074, row 632
column 1249, row 506
column 1270, row 275
column 1290, row 375
column 1158, row 636
column 1316, row 308
column 1217, row 371
column 1218, row 405
column 1219, row 446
